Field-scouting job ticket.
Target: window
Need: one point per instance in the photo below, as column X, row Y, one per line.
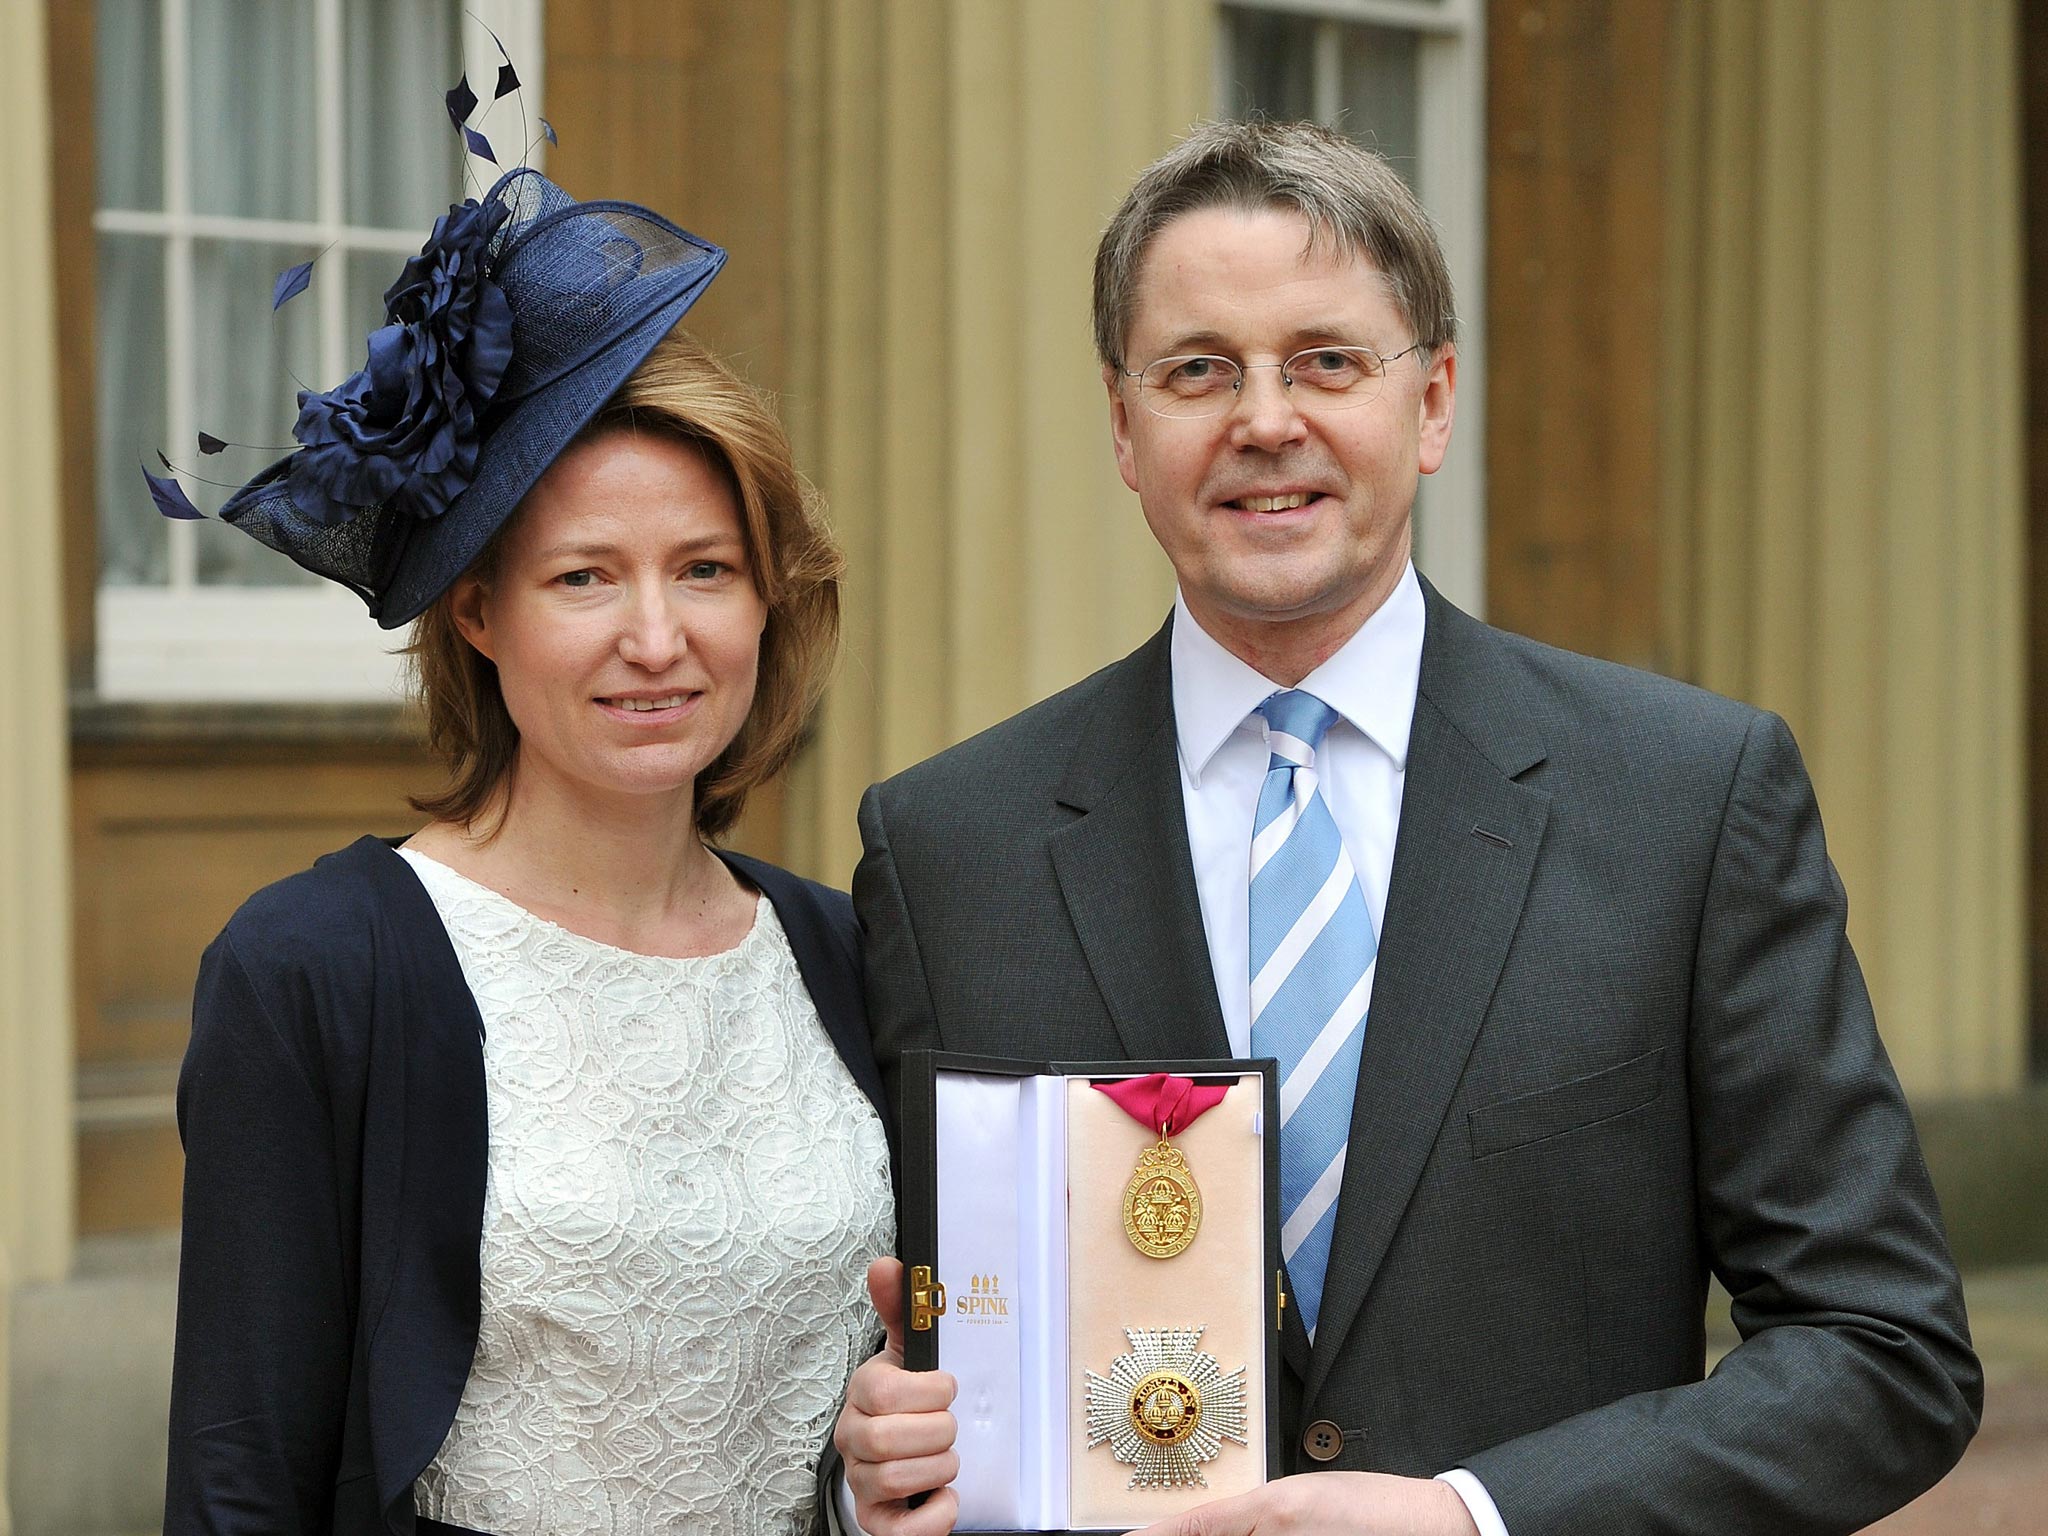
column 1407, row 78
column 235, row 138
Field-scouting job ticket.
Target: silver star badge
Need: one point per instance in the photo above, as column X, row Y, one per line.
column 1166, row 1408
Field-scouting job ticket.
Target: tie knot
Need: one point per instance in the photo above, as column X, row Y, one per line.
column 1301, row 715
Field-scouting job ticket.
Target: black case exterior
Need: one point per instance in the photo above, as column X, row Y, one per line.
column 918, row 1219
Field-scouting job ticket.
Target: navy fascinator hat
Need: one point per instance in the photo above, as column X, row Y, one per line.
column 525, row 312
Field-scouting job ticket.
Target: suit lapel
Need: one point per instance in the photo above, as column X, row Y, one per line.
column 1127, row 877
column 1125, row 872
column 1452, row 907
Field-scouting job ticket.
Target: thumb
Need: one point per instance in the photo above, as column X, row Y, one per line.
column 885, row 1290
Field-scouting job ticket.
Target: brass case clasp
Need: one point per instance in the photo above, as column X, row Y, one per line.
column 927, row 1298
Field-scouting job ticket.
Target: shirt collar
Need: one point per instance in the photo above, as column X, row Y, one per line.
column 1371, row 681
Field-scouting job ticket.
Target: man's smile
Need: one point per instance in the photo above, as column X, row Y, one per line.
column 1285, row 503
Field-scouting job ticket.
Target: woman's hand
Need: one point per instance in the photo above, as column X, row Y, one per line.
column 896, row 1430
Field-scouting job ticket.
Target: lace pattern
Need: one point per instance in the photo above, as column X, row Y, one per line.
column 685, row 1188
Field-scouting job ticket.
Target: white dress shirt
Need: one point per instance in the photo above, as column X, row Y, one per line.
column 1361, row 768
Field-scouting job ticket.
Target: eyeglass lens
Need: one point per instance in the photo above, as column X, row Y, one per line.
column 1319, row 378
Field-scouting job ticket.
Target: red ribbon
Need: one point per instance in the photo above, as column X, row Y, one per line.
column 1166, row 1103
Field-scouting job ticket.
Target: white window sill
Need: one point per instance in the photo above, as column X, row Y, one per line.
column 247, row 644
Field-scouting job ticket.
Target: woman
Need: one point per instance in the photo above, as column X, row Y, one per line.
column 534, row 1167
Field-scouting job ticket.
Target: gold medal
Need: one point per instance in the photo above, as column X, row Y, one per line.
column 1166, row 1408
column 1162, row 1205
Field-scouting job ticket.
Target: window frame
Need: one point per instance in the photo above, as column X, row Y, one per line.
column 184, row 642
column 1450, row 178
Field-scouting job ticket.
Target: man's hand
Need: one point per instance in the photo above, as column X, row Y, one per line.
column 896, row 1432
column 1332, row 1504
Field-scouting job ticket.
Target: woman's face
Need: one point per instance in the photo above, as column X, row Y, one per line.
column 623, row 617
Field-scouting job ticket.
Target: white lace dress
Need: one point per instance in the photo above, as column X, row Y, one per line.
column 684, row 1190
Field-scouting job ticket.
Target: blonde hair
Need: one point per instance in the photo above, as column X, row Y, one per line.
column 686, row 392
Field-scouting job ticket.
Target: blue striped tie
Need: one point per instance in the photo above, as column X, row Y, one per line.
column 1312, row 953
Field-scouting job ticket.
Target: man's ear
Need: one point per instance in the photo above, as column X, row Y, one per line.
column 1438, row 405
column 1120, row 424
column 467, row 607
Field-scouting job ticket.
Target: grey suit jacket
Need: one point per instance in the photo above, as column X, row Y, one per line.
column 1617, row 1041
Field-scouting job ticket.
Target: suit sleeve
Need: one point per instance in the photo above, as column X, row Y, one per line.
column 259, row 1383
column 901, row 1015
column 900, row 1019
column 1855, row 1387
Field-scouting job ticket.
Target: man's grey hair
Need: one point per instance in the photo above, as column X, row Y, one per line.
column 1348, row 194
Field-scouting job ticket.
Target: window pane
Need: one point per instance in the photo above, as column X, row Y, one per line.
column 128, row 103
column 369, row 274
column 404, row 157
column 1272, row 63
column 1273, row 68
column 250, row 364
column 1379, row 93
column 130, row 422
column 253, row 108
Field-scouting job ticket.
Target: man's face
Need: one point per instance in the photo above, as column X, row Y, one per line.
column 1281, row 585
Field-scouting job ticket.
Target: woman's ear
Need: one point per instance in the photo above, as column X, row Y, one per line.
column 466, row 606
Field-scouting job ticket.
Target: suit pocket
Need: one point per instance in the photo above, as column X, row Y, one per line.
column 1569, row 1106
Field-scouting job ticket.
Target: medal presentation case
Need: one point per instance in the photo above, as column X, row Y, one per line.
column 1092, row 1249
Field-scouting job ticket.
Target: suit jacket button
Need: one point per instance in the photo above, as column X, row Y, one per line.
column 1322, row 1440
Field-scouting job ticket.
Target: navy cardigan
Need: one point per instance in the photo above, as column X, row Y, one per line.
column 332, row 1110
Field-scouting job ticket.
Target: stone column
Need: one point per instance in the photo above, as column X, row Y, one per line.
column 35, row 901
column 1843, row 535
column 950, row 187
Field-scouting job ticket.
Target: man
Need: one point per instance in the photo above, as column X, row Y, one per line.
column 1555, row 967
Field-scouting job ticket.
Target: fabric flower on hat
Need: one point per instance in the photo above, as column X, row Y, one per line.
column 403, row 432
